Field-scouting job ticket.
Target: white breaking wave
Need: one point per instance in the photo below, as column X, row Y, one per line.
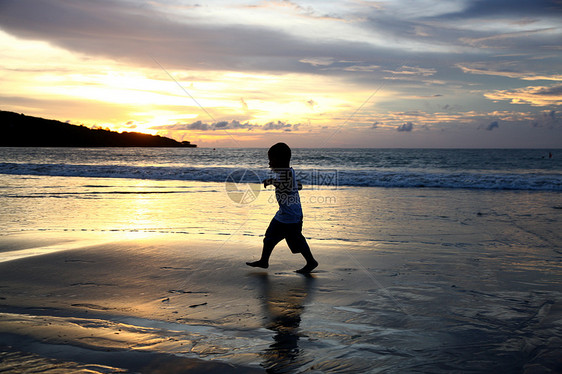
column 314, row 178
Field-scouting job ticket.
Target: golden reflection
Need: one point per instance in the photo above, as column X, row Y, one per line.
column 283, row 303
column 140, row 219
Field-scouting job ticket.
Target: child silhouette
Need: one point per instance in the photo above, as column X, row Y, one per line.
column 287, row 223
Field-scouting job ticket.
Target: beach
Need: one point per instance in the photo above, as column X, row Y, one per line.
column 450, row 281
column 281, row 187
column 146, row 305
column 134, row 261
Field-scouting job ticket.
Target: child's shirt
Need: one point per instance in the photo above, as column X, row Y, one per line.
column 287, row 195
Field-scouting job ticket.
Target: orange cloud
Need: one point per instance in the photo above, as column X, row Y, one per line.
column 533, row 95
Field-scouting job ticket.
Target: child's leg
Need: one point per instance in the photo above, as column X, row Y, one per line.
column 297, row 243
column 268, row 245
column 273, row 235
column 311, row 263
column 307, row 254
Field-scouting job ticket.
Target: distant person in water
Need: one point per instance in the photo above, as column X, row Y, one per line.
column 287, row 223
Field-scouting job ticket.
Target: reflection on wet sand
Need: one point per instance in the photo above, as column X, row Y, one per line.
column 283, row 302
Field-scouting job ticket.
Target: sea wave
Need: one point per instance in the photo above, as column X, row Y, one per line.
column 313, row 178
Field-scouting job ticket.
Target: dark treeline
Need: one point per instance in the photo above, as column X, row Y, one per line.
column 18, row 130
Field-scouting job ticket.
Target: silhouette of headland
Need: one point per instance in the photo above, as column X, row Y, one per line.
column 19, row 130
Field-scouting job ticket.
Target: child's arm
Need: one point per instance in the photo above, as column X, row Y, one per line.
column 283, row 183
column 272, row 181
column 268, row 182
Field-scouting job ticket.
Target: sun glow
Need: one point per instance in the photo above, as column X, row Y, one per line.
column 146, row 99
column 150, row 98
column 375, row 74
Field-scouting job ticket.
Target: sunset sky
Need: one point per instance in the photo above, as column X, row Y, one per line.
column 403, row 73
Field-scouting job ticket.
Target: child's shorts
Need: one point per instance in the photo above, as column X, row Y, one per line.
column 291, row 232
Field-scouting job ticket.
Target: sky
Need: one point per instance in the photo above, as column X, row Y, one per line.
column 401, row 73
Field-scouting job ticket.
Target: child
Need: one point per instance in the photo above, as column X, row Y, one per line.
column 287, row 223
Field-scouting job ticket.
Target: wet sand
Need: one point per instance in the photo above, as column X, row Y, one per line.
column 166, row 304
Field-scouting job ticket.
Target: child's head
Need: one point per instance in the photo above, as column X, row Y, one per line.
column 279, row 156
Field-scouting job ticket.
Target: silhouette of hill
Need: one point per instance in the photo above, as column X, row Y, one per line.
column 19, row 130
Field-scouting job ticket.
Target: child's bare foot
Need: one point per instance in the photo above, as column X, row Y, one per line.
column 258, row 264
column 308, row 268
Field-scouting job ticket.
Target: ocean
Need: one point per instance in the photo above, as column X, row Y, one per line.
column 501, row 169
column 348, row 195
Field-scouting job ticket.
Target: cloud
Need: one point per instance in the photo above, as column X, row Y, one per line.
column 244, row 105
column 280, row 125
column 424, row 96
column 411, row 70
column 133, row 33
column 505, row 69
column 533, row 95
column 550, row 91
column 549, row 118
column 505, row 8
column 193, row 126
column 511, row 39
column 291, row 7
column 318, row 61
column 493, row 125
column 406, row 127
column 529, row 27
column 202, row 126
column 362, row 68
column 229, row 125
column 311, row 103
